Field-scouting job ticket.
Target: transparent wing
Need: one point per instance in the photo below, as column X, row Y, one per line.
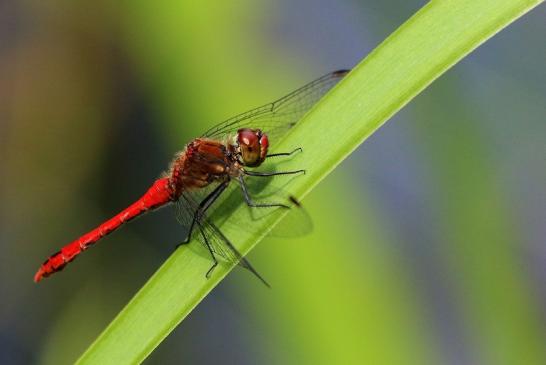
column 223, row 247
column 204, row 229
column 278, row 117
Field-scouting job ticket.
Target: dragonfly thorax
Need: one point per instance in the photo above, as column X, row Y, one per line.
column 202, row 162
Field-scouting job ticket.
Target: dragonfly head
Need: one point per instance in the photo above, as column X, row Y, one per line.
column 253, row 144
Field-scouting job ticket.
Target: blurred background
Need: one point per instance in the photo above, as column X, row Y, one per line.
column 429, row 242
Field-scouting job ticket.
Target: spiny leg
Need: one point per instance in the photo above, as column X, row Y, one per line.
column 203, row 206
column 285, row 153
column 251, row 203
column 267, row 174
column 207, row 275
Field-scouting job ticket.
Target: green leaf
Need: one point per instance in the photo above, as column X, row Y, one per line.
column 424, row 47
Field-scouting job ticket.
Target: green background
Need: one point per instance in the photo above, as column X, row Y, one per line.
column 428, row 244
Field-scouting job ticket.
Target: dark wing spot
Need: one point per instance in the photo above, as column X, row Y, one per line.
column 294, row 200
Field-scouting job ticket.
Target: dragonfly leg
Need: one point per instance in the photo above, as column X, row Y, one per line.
column 285, row 153
column 251, row 203
column 215, row 262
column 266, row 174
column 203, row 206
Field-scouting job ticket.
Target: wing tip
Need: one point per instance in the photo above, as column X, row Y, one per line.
column 341, row 72
column 294, row 201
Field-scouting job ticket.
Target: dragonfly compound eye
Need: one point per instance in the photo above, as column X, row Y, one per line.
column 253, row 145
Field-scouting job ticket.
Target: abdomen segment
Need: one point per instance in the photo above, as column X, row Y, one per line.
column 158, row 195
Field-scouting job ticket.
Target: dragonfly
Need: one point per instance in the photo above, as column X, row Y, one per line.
column 199, row 174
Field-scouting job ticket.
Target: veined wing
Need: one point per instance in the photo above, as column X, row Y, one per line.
column 204, row 229
column 276, row 118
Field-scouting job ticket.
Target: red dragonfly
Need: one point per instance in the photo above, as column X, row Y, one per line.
column 200, row 173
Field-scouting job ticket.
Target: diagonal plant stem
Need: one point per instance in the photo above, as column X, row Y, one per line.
column 428, row 44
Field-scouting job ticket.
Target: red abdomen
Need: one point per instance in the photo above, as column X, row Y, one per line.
column 159, row 194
